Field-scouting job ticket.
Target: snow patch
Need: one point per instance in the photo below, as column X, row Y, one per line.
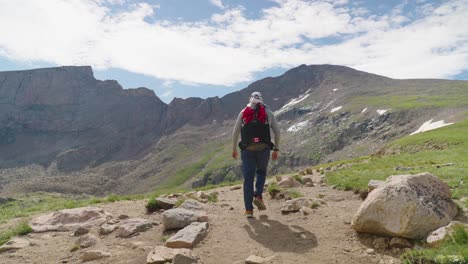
column 336, row 109
column 428, row 125
column 382, row 111
column 363, row 110
column 291, row 103
column 297, row 127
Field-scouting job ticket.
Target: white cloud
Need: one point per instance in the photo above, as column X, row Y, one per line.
column 217, row 3
column 231, row 48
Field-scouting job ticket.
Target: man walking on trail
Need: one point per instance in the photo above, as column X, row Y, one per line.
column 253, row 124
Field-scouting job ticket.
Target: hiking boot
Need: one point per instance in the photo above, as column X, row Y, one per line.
column 258, row 201
column 248, row 213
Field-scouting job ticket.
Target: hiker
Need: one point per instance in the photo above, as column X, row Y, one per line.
column 253, row 124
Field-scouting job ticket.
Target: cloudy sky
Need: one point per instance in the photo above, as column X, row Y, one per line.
column 182, row 48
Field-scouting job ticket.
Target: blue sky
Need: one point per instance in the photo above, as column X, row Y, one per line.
column 203, row 48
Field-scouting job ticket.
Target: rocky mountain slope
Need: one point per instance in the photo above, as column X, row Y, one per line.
column 62, row 130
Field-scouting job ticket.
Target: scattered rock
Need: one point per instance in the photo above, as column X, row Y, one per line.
column 334, row 198
column 70, row 219
column 301, row 172
column 370, row 251
column 180, row 218
column 252, row 259
column 86, row 241
column 289, row 182
column 309, row 171
column 166, row 203
column 399, row 242
column 15, row 244
column 81, row 231
column 183, row 259
column 192, row 205
column 106, row 229
column 123, row 216
column 436, row 237
column 91, row 255
column 373, row 184
column 307, row 180
column 189, row 236
column 407, row 206
column 162, row 254
column 295, row 205
column 236, row 187
column 132, row 226
column 380, row 243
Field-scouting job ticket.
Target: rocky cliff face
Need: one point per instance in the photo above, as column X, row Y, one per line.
column 94, row 136
column 66, row 114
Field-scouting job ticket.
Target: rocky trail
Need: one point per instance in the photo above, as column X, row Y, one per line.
column 319, row 235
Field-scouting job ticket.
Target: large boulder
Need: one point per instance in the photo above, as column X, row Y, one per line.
column 408, row 206
column 70, row 219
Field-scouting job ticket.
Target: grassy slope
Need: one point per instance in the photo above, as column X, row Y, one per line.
column 417, row 153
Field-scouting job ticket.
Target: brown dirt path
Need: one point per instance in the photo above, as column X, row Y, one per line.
column 324, row 236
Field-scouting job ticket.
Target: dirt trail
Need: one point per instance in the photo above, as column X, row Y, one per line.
column 324, row 236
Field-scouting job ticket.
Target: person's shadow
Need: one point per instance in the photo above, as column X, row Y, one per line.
column 278, row 237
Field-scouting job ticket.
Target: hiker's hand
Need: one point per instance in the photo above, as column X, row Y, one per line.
column 234, row 154
column 274, row 155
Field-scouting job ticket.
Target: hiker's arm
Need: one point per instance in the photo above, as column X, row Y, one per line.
column 235, row 135
column 276, row 130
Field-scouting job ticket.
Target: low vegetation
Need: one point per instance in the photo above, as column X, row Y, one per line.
column 453, row 250
column 443, row 152
column 21, row 229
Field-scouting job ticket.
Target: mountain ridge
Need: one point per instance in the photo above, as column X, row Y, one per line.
column 62, row 122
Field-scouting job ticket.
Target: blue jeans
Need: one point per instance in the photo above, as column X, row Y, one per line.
column 254, row 164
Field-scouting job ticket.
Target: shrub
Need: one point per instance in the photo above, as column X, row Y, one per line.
column 152, row 205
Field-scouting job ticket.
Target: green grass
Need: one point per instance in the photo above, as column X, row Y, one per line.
column 20, row 229
column 452, row 250
column 295, row 194
column 450, row 95
column 419, row 153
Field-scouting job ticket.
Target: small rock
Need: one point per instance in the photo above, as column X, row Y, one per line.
column 370, row 251
column 91, row 255
column 86, row 241
column 236, row 187
column 380, row 243
column 80, row 231
column 162, row 254
column 347, row 222
column 123, row 216
column 166, row 203
column 189, row 236
column 193, row 205
column 289, row 182
column 132, row 226
column 179, row 218
column 106, row 229
column 183, row 259
column 399, row 242
column 295, row 205
column 252, row 259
